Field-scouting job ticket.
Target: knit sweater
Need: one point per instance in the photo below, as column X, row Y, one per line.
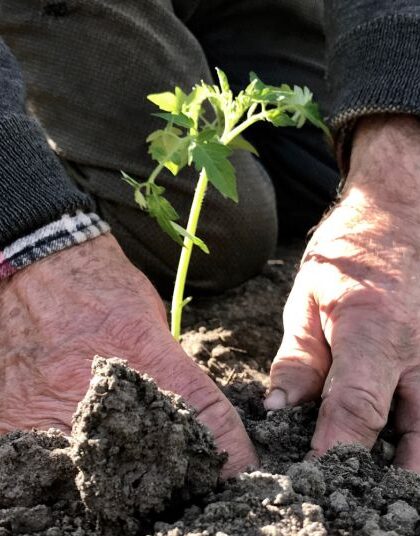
column 373, row 65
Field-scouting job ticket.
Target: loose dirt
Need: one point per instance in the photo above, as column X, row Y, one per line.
column 138, row 462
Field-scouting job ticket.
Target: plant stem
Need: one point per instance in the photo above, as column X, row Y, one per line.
column 184, row 261
column 231, row 135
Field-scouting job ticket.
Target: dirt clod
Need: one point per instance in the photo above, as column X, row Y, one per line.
column 155, row 450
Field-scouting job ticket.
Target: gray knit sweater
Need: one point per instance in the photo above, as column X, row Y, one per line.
column 373, row 65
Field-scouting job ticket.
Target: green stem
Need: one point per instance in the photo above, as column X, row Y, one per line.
column 184, row 261
column 155, row 173
column 229, row 136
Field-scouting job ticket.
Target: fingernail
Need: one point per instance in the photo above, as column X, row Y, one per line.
column 277, row 399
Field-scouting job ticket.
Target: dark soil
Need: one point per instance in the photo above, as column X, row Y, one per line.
column 138, row 462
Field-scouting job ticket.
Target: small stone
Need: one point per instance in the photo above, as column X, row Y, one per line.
column 220, row 352
column 30, row 519
column 338, row 502
column 313, row 529
column 53, row 531
column 312, row 512
column 175, row 532
column 271, row 530
column 353, row 464
column 307, row 479
column 370, row 527
column 400, row 516
column 387, row 450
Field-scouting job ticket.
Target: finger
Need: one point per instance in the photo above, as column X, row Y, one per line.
column 301, row 365
column 174, row 371
column 407, row 419
column 359, row 388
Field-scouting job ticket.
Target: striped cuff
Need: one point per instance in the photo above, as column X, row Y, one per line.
column 66, row 232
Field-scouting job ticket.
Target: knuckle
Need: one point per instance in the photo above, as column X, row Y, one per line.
column 357, row 409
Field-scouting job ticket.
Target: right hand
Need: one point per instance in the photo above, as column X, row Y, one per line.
column 352, row 320
column 56, row 314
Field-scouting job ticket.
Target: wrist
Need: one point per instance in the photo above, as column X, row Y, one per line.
column 64, row 233
column 385, row 163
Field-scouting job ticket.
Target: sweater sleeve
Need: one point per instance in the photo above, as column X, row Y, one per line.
column 373, row 62
column 34, row 188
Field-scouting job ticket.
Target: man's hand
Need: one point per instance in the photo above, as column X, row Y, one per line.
column 58, row 313
column 352, row 321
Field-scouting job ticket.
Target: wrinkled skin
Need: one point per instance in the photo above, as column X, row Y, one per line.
column 352, row 321
column 58, row 313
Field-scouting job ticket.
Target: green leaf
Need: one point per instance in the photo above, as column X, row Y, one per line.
column 160, row 205
column 140, row 199
column 213, row 158
column 132, row 182
column 195, row 240
column 241, row 143
column 193, row 104
column 207, row 134
column 169, row 102
column 178, row 119
column 169, row 149
column 164, row 213
column 166, row 101
column 279, row 118
column 223, row 80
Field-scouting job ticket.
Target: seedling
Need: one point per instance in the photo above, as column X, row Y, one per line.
column 202, row 129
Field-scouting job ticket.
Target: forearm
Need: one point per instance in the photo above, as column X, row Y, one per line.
column 34, row 188
column 373, row 63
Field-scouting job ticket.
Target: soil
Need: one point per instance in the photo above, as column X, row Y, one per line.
column 138, row 462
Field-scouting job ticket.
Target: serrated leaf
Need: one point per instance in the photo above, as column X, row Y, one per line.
column 213, row 157
column 241, row 143
column 195, row 240
column 279, row 118
column 313, row 115
column 164, row 213
column 178, row 119
column 207, row 134
column 159, row 205
column 169, row 149
column 264, row 93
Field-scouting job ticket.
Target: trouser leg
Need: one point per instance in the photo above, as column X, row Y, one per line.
column 283, row 42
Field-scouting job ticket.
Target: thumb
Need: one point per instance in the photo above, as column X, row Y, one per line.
column 301, row 365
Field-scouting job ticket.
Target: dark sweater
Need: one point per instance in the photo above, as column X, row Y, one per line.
column 373, row 65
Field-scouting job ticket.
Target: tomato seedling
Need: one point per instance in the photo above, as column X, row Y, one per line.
column 202, row 129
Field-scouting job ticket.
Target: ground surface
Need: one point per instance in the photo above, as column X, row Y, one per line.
column 138, row 463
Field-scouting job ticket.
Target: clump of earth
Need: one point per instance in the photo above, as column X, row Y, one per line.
column 139, row 463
